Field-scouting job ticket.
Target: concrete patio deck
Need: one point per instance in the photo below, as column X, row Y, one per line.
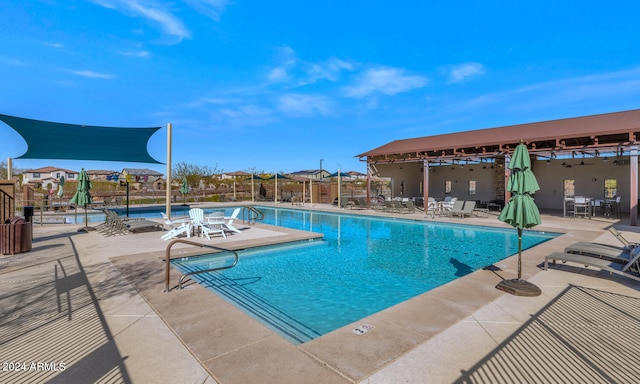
column 82, row 307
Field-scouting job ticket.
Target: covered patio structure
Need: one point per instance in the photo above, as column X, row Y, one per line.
column 586, row 154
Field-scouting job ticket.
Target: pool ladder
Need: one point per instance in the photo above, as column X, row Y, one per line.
column 167, row 259
column 251, row 214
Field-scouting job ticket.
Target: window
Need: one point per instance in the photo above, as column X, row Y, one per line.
column 57, row 175
column 472, row 187
column 610, row 188
column 72, row 176
column 569, row 188
column 36, row 175
column 447, row 187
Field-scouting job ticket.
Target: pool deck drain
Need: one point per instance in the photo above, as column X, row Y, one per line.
column 110, row 319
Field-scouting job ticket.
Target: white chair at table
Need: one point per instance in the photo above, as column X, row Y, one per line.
column 581, row 207
column 214, row 225
column 228, row 221
column 197, row 219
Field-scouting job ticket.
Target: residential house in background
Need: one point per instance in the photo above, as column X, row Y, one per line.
column 143, row 178
column 315, row 174
column 237, row 175
column 44, row 176
column 102, row 175
column 357, row 175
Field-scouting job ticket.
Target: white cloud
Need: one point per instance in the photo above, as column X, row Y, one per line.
column 329, row 70
column 92, row 74
column 461, row 72
column 245, row 115
column 598, row 88
column 298, row 105
column 278, row 75
column 297, row 73
column 150, row 10
column 141, row 54
column 209, row 8
column 54, row 45
column 12, row 61
column 388, row 81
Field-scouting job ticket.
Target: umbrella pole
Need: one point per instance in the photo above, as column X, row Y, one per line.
column 519, row 253
column 518, row 286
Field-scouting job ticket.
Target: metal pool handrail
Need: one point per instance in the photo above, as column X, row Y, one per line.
column 168, row 261
column 253, row 213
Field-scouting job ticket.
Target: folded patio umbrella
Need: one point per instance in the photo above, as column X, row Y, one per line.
column 184, row 189
column 83, row 197
column 520, row 212
column 61, row 187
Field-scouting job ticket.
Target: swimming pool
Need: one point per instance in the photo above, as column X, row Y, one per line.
column 363, row 265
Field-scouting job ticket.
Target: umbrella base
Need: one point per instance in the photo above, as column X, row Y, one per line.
column 519, row 287
column 86, row 229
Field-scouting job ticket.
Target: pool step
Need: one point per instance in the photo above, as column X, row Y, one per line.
column 254, row 305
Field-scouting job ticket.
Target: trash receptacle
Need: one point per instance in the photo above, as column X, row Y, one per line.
column 15, row 236
column 28, row 213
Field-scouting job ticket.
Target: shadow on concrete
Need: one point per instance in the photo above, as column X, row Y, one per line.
column 51, row 326
column 584, row 335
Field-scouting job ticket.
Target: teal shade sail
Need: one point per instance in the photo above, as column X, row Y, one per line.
column 49, row 140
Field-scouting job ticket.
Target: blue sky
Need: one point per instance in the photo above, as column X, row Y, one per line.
column 278, row 85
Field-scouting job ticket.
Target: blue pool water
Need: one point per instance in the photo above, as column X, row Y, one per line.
column 363, row 265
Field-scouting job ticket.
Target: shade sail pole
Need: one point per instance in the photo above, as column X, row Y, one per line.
column 633, row 186
column 339, row 190
column 168, row 192
column 9, row 168
column 425, row 184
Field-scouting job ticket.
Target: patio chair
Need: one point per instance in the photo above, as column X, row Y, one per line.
column 581, row 207
column 228, row 221
column 466, row 210
column 124, row 226
column 627, row 244
column 605, row 265
column 197, row 219
column 358, row 203
column 184, row 228
column 176, row 226
column 409, row 207
column 214, row 225
column 609, row 253
column 455, row 208
column 386, row 206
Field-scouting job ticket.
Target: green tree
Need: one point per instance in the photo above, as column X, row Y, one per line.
column 194, row 173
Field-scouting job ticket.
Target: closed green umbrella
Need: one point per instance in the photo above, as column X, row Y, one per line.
column 83, row 197
column 184, row 189
column 61, row 187
column 520, row 212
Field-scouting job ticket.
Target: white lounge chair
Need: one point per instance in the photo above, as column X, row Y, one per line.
column 177, row 231
column 176, row 227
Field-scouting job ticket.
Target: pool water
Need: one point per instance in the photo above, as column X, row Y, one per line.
column 362, row 265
